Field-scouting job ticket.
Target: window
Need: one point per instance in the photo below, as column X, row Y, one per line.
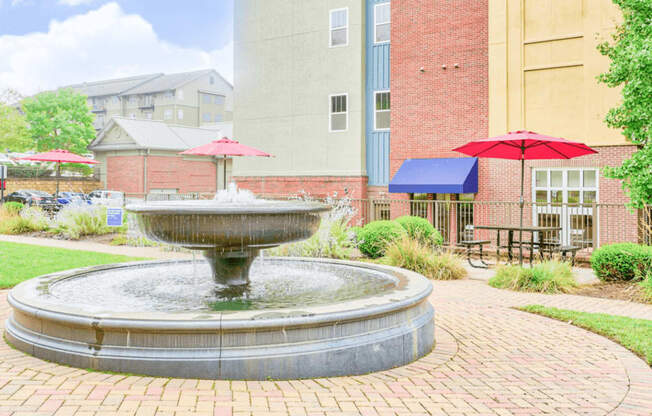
column 148, row 115
column 132, row 99
column 180, row 95
column 167, row 115
column 219, row 118
column 207, row 98
column 382, row 115
column 339, row 27
column 206, row 117
column 211, row 80
column 382, row 22
column 219, row 99
column 571, row 186
column 169, row 95
column 180, row 115
column 339, row 116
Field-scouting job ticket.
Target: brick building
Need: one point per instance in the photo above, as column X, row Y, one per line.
column 456, row 71
column 140, row 157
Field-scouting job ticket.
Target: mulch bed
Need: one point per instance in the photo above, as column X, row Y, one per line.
column 631, row 292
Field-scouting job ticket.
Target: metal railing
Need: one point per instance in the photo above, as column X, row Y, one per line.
column 587, row 226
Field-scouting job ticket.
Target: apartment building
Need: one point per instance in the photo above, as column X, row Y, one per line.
column 189, row 98
column 315, row 80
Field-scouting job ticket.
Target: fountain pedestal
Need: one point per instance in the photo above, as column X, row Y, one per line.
column 231, row 268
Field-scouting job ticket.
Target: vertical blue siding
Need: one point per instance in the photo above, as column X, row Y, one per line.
column 377, row 79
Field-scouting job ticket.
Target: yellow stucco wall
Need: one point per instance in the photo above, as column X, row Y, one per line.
column 543, row 65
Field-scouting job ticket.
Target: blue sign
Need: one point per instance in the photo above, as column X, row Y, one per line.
column 114, row 217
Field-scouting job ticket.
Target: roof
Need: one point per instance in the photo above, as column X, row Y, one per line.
column 436, row 176
column 155, row 135
column 168, row 82
column 111, row 86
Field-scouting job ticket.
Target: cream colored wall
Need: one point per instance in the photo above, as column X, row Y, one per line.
column 543, row 65
column 284, row 73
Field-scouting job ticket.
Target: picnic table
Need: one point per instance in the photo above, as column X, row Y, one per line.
column 545, row 235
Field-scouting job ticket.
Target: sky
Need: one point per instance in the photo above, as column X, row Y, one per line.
column 45, row 44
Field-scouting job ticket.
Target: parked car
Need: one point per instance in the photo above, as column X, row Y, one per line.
column 76, row 198
column 103, row 197
column 30, row 198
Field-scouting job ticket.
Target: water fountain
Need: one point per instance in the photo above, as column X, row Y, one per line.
column 234, row 316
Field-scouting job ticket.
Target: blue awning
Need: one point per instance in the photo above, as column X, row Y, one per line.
column 437, row 176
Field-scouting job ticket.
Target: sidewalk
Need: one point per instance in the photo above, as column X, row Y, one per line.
column 149, row 252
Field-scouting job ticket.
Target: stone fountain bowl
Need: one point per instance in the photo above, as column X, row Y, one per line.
column 201, row 225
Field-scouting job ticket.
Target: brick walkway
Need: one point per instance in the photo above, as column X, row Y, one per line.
column 489, row 360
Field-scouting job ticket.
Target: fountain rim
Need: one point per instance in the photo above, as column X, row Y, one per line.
column 416, row 289
column 209, row 207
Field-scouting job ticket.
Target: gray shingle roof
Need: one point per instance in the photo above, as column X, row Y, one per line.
column 156, row 135
column 111, row 86
column 167, row 82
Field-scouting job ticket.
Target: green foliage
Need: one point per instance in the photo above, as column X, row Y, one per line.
column 14, row 134
column 374, row 237
column 622, row 261
column 411, row 254
column 631, row 69
column 13, row 208
column 421, row 229
column 60, row 120
column 74, row 222
column 547, row 277
column 646, row 285
column 28, row 171
column 23, row 261
column 633, row 334
column 30, row 220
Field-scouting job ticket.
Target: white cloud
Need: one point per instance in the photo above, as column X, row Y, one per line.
column 74, row 2
column 101, row 44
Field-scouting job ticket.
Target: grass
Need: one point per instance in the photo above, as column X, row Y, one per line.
column 20, row 262
column 633, row 334
column 547, row 277
column 411, row 254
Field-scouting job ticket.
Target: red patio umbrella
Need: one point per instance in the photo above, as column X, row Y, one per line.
column 522, row 145
column 225, row 147
column 59, row 156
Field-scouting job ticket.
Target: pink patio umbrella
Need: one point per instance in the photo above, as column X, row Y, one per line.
column 225, row 147
column 59, row 156
column 522, row 145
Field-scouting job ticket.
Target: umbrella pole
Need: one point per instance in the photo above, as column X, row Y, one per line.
column 225, row 172
column 58, row 177
column 521, row 204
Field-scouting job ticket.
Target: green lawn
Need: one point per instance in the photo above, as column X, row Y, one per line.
column 19, row 262
column 633, row 334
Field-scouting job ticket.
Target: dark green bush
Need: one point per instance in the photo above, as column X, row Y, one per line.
column 622, row 261
column 375, row 236
column 13, row 208
column 421, row 229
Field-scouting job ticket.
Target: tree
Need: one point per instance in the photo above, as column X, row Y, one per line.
column 631, row 69
column 14, row 134
column 59, row 120
column 10, row 96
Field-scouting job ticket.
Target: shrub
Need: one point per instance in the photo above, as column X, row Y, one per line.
column 547, row 277
column 646, row 286
column 421, row 229
column 411, row 254
column 334, row 239
column 75, row 221
column 13, row 208
column 30, row 220
column 375, row 236
column 622, row 261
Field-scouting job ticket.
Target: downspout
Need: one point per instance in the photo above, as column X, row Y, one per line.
column 145, row 173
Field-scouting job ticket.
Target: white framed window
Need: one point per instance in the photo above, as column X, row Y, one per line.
column 167, row 115
column 207, row 98
column 180, row 95
column 219, row 118
column 219, row 99
column 339, row 27
column 169, row 95
column 179, row 114
column 211, row 80
column 206, row 117
column 382, row 113
column 338, row 113
column 565, row 186
column 382, row 22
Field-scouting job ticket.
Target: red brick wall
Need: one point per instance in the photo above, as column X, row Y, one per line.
column 437, row 110
column 125, row 173
column 317, row 186
column 175, row 172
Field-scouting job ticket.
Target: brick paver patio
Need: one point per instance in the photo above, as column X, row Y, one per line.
column 489, row 360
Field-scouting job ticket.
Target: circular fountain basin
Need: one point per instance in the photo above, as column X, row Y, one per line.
column 302, row 318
